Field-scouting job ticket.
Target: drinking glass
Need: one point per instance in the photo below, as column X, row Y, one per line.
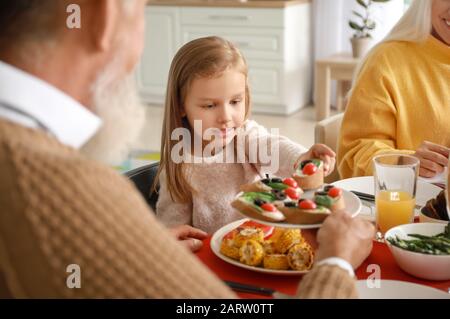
column 395, row 178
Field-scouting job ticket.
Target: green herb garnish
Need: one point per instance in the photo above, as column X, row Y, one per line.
column 324, row 200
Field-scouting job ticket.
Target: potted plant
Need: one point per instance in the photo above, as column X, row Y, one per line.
column 363, row 26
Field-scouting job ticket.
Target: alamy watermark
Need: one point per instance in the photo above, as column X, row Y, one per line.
column 374, row 279
column 73, row 20
column 73, row 280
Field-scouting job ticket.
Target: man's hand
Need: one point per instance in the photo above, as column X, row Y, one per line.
column 345, row 237
column 189, row 236
column 433, row 158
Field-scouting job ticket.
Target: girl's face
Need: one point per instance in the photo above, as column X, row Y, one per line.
column 440, row 15
column 219, row 102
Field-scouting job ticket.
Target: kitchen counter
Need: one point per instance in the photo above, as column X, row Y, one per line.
column 228, row 3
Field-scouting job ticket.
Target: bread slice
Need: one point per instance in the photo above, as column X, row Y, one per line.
column 297, row 215
column 252, row 211
column 331, row 203
column 308, row 182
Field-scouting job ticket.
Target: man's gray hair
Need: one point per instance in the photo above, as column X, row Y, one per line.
column 22, row 18
column 36, row 20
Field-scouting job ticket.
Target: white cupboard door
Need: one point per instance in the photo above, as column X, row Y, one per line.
column 266, row 80
column 161, row 44
column 233, row 17
column 255, row 43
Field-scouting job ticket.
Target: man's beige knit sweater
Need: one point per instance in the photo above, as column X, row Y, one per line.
column 57, row 209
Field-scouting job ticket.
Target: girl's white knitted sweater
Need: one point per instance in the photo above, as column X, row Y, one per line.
column 217, row 184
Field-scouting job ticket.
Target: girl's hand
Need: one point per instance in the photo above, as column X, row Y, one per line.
column 189, row 236
column 433, row 158
column 322, row 152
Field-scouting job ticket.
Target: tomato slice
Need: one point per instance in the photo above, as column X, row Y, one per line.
column 230, row 234
column 309, row 169
column 290, row 182
column 335, row 192
column 307, row 204
column 291, row 192
column 268, row 207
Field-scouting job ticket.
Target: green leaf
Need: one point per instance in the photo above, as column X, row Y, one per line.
column 316, row 162
column 362, row 3
column 324, row 200
column 251, row 196
column 355, row 26
column 381, row 0
column 447, row 231
column 358, row 14
column 278, row 186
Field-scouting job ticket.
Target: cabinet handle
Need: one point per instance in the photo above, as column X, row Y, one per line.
column 242, row 44
column 239, row 18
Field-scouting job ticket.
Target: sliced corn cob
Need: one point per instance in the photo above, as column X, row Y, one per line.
column 229, row 249
column 277, row 232
column 276, row 261
column 251, row 253
column 269, row 247
column 248, row 233
column 288, row 239
column 300, row 257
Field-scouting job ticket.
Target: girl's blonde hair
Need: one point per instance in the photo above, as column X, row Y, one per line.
column 414, row 26
column 205, row 57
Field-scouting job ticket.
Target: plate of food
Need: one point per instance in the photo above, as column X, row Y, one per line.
column 284, row 203
column 250, row 245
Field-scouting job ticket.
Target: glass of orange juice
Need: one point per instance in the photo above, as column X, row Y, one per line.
column 395, row 178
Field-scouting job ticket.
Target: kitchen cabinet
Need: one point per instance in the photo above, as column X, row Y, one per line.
column 276, row 43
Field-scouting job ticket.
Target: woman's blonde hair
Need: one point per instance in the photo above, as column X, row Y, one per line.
column 205, row 57
column 414, row 26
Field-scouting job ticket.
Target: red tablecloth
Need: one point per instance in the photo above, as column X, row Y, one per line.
column 380, row 255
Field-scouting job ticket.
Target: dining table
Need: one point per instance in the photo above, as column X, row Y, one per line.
column 380, row 259
column 288, row 284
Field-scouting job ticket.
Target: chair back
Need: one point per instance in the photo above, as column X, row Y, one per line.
column 327, row 132
column 143, row 178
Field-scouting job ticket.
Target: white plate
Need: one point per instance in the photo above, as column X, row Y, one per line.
column 216, row 241
column 440, row 178
column 365, row 184
column 352, row 205
column 394, row 289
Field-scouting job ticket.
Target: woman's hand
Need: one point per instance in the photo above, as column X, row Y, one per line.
column 189, row 236
column 322, row 152
column 433, row 158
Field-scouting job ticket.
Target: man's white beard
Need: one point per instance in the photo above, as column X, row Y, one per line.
column 122, row 113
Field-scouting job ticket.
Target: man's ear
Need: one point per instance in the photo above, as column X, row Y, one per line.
column 105, row 18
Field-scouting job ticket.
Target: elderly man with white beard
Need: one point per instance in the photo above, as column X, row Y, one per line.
column 67, row 102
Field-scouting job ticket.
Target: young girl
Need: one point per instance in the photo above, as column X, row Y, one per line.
column 208, row 85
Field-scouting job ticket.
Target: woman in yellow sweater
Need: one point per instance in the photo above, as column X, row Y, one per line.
column 400, row 100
